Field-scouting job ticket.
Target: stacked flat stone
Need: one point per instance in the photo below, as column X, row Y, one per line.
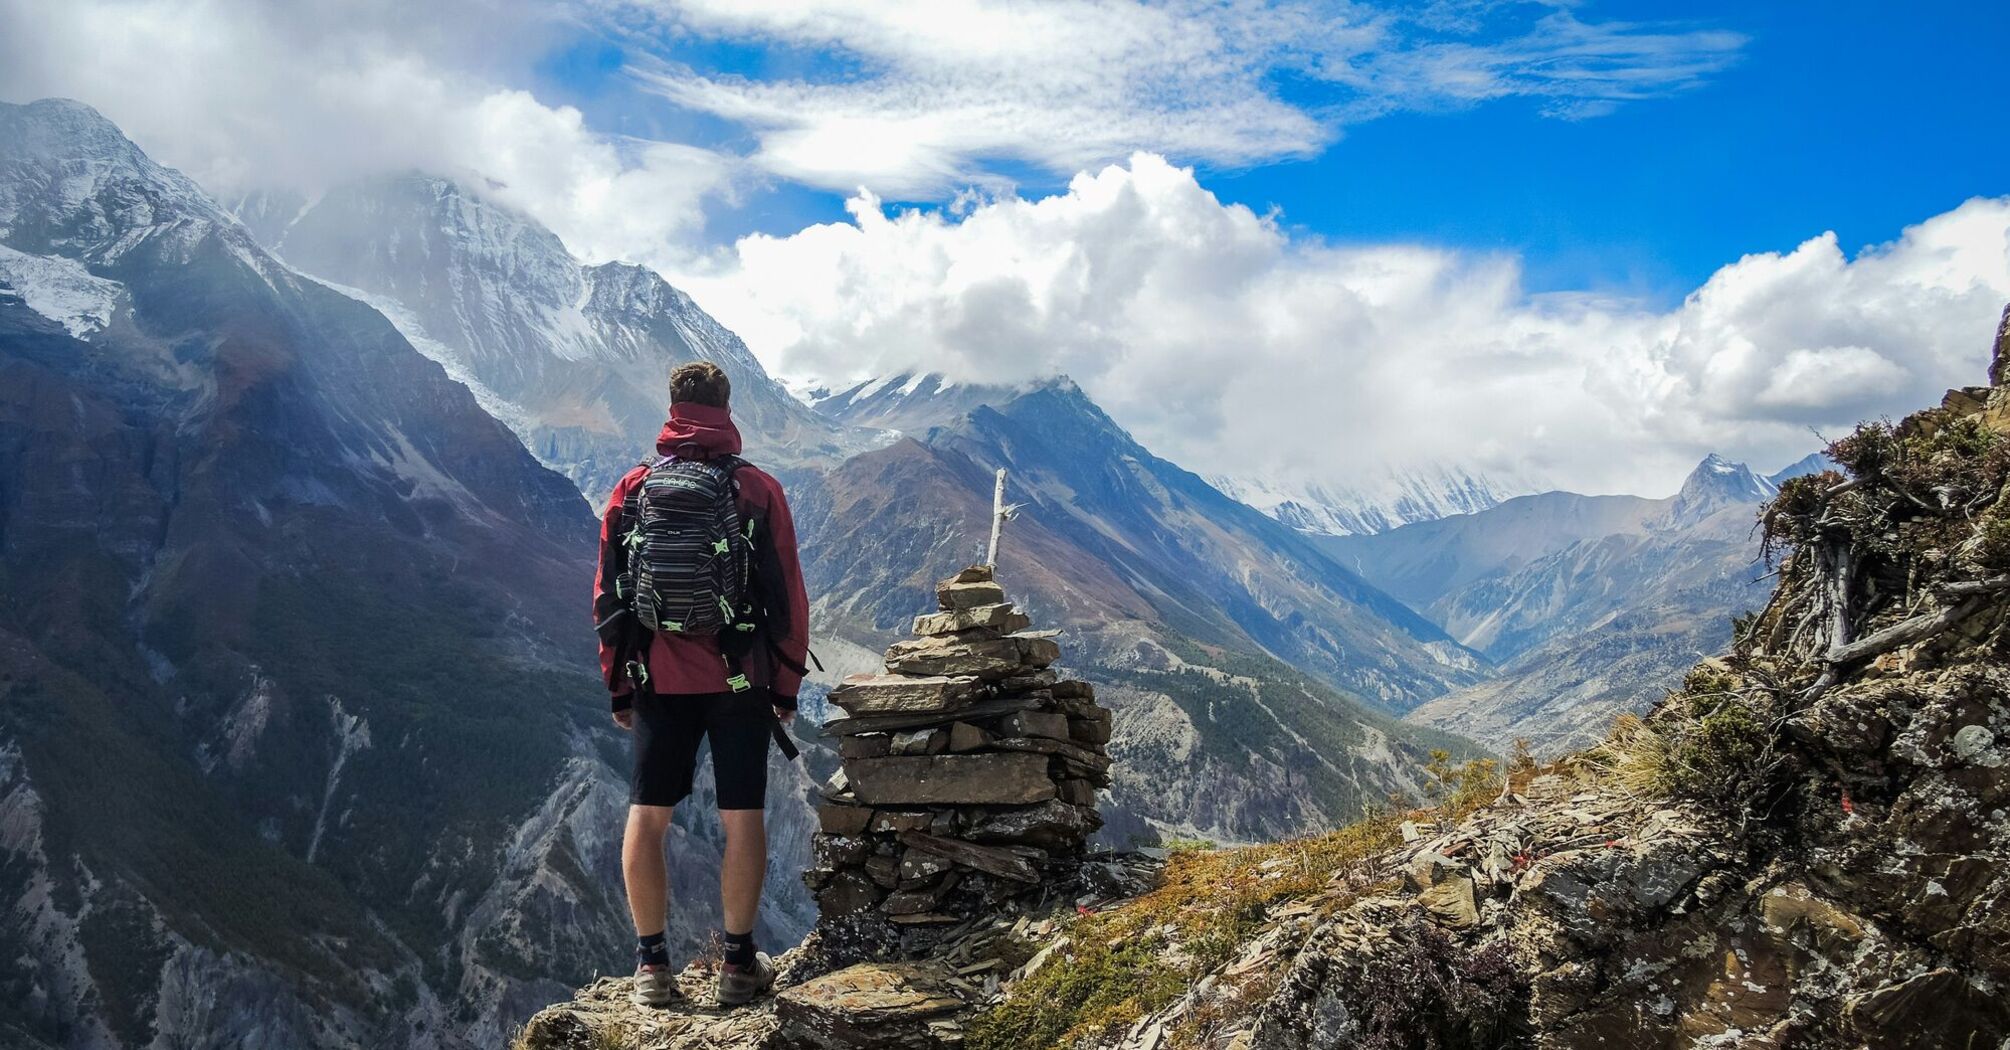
column 969, row 766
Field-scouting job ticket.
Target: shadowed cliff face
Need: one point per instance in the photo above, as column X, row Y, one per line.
column 300, row 739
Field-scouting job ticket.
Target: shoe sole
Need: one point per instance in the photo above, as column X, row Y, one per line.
column 745, row 998
column 661, row 998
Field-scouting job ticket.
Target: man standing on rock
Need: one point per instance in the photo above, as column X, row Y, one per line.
column 703, row 628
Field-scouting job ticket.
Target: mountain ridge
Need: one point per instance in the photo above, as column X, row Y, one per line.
column 1177, row 602
column 572, row 355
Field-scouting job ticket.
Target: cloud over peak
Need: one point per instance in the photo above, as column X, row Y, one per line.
column 1231, row 345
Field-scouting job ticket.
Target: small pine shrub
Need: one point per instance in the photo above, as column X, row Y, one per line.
column 1787, row 522
column 1721, row 749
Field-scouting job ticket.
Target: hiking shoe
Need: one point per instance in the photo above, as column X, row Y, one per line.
column 739, row 985
column 654, row 986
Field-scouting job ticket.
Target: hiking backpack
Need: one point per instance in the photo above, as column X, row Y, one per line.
column 688, row 550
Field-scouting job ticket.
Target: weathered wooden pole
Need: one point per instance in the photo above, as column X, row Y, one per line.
column 998, row 514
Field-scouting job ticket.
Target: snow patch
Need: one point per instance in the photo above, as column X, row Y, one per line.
column 1375, row 502
column 61, row 290
column 868, row 390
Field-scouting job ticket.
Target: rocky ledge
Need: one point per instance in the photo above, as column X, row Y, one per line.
column 826, row 1000
column 952, row 842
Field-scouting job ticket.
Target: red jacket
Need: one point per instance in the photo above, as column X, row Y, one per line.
column 691, row 663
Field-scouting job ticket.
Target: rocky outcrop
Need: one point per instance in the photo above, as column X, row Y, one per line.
column 1999, row 362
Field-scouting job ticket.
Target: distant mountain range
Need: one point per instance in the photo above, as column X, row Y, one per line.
column 1219, row 633
column 1363, row 509
column 1590, row 605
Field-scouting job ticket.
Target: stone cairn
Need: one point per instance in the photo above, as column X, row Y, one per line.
column 970, row 768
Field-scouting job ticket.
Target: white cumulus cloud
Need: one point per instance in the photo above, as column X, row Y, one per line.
column 1232, row 346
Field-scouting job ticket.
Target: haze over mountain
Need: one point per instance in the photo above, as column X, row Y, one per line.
column 1393, row 500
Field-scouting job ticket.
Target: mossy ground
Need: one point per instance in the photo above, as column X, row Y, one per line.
column 1134, row 959
column 1122, row 964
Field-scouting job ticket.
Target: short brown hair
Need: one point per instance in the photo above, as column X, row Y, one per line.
column 702, row 383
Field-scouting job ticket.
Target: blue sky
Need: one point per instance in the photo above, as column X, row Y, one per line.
column 1859, row 117
column 1559, row 243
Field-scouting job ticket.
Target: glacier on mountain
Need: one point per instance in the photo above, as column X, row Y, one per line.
column 1372, row 504
column 61, row 290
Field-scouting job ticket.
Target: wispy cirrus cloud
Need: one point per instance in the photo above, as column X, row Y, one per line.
column 931, row 97
column 1576, row 69
column 916, row 101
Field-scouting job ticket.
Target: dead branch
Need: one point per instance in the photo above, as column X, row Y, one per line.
column 1904, row 632
column 1963, row 588
column 1839, row 560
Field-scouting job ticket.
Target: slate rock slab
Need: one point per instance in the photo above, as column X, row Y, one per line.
column 955, row 597
column 1052, row 825
column 996, row 779
column 985, row 656
column 877, row 694
column 1002, row 618
column 870, row 1006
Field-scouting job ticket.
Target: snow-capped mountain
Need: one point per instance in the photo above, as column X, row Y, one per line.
column 1813, row 463
column 573, row 357
column 1717, row 483
column 1394, row 499
column 912, row 402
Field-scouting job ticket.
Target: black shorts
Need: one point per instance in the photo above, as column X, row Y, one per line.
column 667, row 732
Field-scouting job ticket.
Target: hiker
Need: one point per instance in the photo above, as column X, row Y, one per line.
column 703, row 628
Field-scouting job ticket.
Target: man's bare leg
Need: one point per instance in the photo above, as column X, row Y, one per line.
column 642, row 867
column 744, row 867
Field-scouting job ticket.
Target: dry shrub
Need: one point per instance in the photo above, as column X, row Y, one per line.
column 1433, row 993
